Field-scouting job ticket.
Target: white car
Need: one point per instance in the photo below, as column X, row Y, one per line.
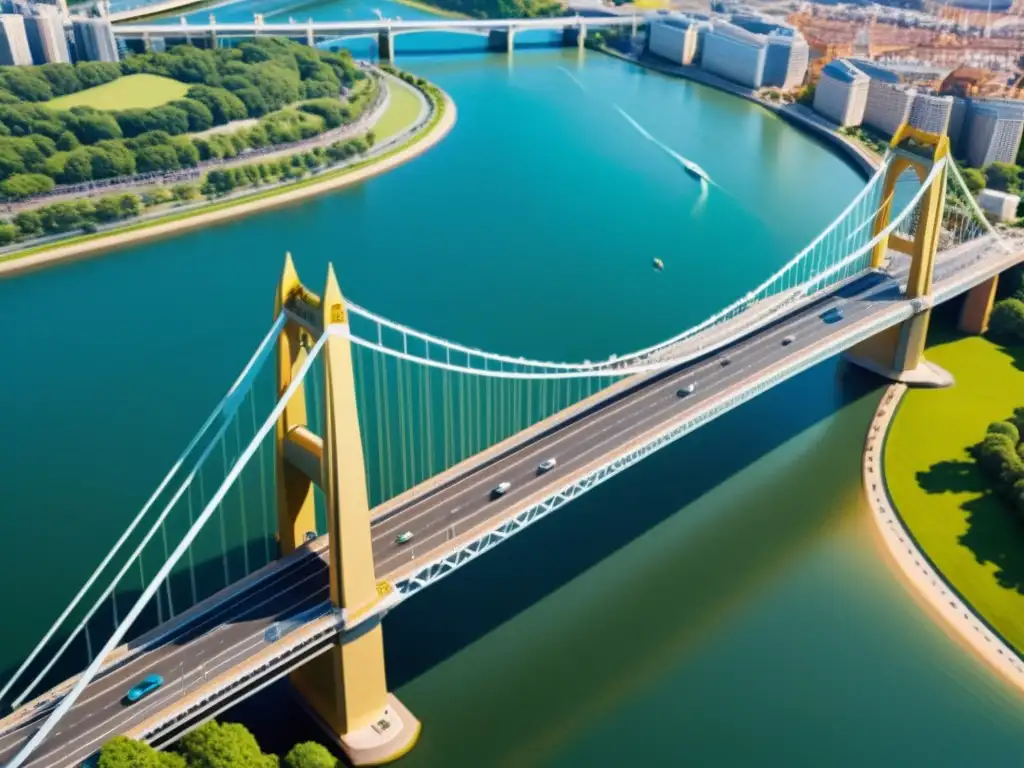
column 546, row 466
column 501, row 489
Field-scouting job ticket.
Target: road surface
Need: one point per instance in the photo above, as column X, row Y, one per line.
column 235, row 632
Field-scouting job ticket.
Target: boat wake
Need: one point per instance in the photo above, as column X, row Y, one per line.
column 575, row 79
column 694, row 169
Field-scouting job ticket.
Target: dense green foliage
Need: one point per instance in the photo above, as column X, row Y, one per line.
column 501, row 9
column 255, row 80
column 212, row 745
column 309, row 754
column 1007, row 320
column 999, row 458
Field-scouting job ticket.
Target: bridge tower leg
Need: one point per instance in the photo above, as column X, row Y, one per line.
column 295, row 511
column 385, row 45
column 345, row 689
column 977, row 307
column 898, row 352
column 581, row 37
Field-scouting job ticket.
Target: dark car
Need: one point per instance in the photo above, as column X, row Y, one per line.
column 833, row 315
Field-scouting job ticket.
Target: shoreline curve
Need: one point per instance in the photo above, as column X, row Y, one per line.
column 921, row 578
column 101, row 246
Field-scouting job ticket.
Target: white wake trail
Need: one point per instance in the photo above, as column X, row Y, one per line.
column 688, row 164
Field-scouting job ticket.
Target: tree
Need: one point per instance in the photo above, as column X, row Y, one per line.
column 28, row 223
column 1004, row 177
column 91, row 126
column 223, row 105
column 93, row 73
column 1005, row 428
column 309, row 754
column 122, row 752
column 62, row 77
column 1007, row 319
column 67, row 141
column 25, row 185
column 199, row 116
column 157, row 158
column 228, row 745
column 27, row 84
column 8, row 233
column 60, row 217
column 184, row 192
column 255, row 104
column 329, row 109
column 973, row 178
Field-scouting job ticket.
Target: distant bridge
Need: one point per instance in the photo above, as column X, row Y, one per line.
column 500, row 31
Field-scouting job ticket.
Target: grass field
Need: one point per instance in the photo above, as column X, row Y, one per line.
column 969, row 534
column 129, row 92
column 402, row 110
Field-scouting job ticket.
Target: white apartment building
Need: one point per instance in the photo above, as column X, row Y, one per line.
column 842, row 93
column 675, row 39
column 13, row 41
column 735, row 54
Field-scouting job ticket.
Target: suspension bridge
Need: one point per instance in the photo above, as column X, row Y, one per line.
column 356, row 461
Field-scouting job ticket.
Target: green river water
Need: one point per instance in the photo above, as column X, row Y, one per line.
column 723, row 603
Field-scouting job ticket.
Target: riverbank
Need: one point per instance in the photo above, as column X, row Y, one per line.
column 864, row 161
column 433, row 130
column 925, row 504
column 433, row 9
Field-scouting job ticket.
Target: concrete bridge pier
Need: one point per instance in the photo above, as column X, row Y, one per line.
column 345, row 689
column 575, row 36
column 385, row 45
column 897, row 353
column 310, row 36
column 502, row 40
column 977, row 308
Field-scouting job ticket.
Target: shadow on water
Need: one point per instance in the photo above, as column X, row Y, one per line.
column 461, row 609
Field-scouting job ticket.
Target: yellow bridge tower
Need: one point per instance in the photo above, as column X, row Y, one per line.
column 344, row 689
column 898, row 352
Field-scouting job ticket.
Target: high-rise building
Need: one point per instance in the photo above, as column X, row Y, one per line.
column 46, row 37
column 785, row 63
column 735, row 54
column 994, row 130
column 957, row 120
column 13, row 42
column 842, row 93
column 94, row 40
column 931, row 113
column 675, row 38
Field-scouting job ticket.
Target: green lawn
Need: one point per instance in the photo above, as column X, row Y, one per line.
column 969, row 534
column 129, row 92
column 402, row 110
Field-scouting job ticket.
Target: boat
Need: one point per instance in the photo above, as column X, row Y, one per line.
column 658, row 264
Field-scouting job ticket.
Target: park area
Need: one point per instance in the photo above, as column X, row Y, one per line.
column 970, row 534
column 129, row 92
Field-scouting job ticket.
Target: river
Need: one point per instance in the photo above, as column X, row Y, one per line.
column 722, row 603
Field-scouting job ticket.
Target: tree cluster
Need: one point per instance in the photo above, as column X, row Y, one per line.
column 502, row 9
column 255, row 80
column 1007, row 320
column 213, row 745
column 87, row 214
column 220, row 182
column 999, row 457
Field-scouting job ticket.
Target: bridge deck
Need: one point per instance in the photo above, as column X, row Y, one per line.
column 202, row 659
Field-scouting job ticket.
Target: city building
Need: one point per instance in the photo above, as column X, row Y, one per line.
column 735, row 54
column 46, row 37
column 957, row 120
column 888, row 103
column 1002, row 205
column 931, row 113
column 94, row 40
column 676, row 38
column 13, row 41
column 785, row 64
column 842, row 93
column 994, row 130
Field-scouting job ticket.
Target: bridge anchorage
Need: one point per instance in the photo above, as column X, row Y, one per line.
column 363, row 465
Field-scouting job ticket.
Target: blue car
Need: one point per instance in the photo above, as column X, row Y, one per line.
column 833, row 315
column 145, row 687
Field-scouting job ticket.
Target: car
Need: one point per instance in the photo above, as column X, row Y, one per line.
column 724, row 361
column 501, row 489
column 687, row 390
column 145, row 687
column 546, row 466
column 833, row 315
column 402, row 538
column 787, row 340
